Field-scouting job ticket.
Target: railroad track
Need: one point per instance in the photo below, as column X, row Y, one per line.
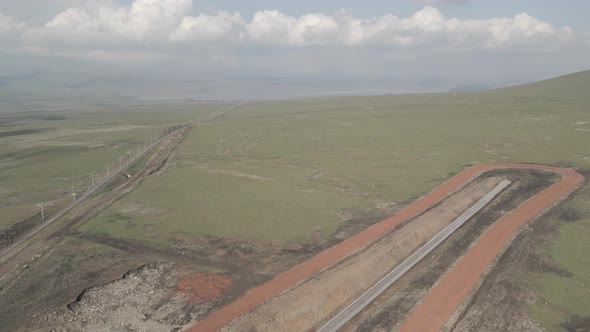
column 10, row 250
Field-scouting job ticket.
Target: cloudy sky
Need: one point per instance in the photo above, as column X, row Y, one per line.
column 406, row 44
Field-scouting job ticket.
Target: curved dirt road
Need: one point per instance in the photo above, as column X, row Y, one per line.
column 491, row 246
column 361, row 302
column 442, row 300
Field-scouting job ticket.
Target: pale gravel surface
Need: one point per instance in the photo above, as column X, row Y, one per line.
column 305, row 306
column 143, row 300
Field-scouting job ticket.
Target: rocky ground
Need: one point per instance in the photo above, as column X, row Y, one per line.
column 153, row 297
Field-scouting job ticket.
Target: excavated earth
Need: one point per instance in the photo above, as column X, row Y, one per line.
column 304, row 306
column 389, row 310
column 129, row 286
column 151, row 298
column 257, row 311
column 79, row 282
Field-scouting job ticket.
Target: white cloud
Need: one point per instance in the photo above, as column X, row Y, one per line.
column 104, row 28
column 10, row 25
column 440, row 2
column 11, row 30
column 427, row 27
column 520, row 31
column 154, row 18
column 275, row 28
column 209, row 27
column 270, row 27
column 143, row 21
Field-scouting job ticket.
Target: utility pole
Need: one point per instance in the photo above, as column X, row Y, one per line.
column 92, row 177
column 42, row 212
column 108, row 173
column 120, row 162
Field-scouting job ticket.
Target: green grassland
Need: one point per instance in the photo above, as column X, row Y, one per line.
column 300, row 170
column 562, row 297
column 293, row 170
column 43, row 154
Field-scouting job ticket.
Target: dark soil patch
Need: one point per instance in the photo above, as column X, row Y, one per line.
column 360, row 219
column 577, row 324
column 570, row 215
column 14, row 231
column 21, row 132
column 117, row 217
column 42, row 153
column 55, row 279
column 243, row 278
column 501, row 302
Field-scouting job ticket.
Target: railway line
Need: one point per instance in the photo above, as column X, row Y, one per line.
column 13, row 248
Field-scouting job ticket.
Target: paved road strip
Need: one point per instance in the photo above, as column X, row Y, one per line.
column 346, row 314
column 441, row 302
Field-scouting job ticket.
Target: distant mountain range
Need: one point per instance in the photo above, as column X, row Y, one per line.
column 471, row 88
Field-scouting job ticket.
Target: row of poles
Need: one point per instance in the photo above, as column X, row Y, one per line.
column 128, row 158
column 124, row 161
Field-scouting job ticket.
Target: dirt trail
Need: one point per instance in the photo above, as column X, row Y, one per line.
column 442, row 301
column 306, row 305
column 500, row 235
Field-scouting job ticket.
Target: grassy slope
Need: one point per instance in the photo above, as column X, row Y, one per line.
column 62, row 149
column 288, row 170
column 560, row 298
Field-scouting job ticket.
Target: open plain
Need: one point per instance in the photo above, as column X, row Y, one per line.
column 272, row 186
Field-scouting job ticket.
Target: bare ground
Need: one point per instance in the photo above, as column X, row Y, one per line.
column 501, row 302
column 49, row 273
column 391, row 308
column 306, row 305
column 142, row 299
column 68, row 265
column 72, row 286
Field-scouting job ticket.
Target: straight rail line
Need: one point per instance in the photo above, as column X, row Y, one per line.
column 345, row 315
column 4, row 254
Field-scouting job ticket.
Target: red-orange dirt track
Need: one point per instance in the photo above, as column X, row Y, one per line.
column 443, row 299
column 446, row 296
